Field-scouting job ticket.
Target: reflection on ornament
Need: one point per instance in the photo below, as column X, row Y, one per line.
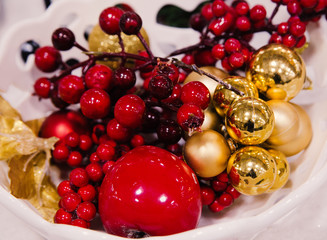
column 208, row 82
column 301, row 138
column 249, row 121
column 278, row 67
column 223, row 97
column 286, row 122
column 206, row 153
column 283, row 169
column 252, row 170
column 102, row 42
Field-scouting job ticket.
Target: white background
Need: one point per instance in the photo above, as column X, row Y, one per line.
column 308, row 221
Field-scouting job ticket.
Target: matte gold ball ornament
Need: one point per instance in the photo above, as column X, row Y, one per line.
column 208, row 82
column 249, row 121
column 287, row 122
column 283, row 169
column 252, row 170
column 223, row 97
column 99, row 41
column 277, row 71
column 298, row 137
column 207, row 153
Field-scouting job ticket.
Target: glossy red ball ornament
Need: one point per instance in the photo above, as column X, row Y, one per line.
column 149, row 192
column 62, row 122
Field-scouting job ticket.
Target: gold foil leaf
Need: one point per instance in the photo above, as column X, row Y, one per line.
column 7, row 110
column 17, row 138
column 35, row 125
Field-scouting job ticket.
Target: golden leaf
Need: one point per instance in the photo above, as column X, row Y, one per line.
column 35, row 125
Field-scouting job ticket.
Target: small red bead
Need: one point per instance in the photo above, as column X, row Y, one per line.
column 64, row 187
column 79, row 177
column 70, row 201
column 87, row 193
column 75, row 159
column 118, row 132
column 105, row 152
column 219, row 8
column 197, row 93
column 42, row 87
column 232, row 45
column 86, row 211
column 71, row 88
column 94, row 171
column 207, row 195
column 95, row 103
column 218, row 51
column 85, row 142
column 63, row 217
column 232, row 191
column 72, row 139
column 258, row 13
column 99, row 76
column 190, row 117
column 137, row 140
column 206, row 11
column 60, row 153
column 225, row 199
column 109, row 20
column 215, row 206
column 218, row 186
column 80, row 223
column 47, row 59
column 107, row 166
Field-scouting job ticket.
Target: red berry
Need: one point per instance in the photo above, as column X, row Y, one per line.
column 160, row 86
column 124, row 78
column 218, row 186
column 169, row 131
column 109, row 20
column 99, row 76
column 275, row 38
column 232, row 45
column 204, row 58
column 118, row 132
column 78, row 177
column 218, row 51
column 206, row 11
column 197, row 93
column 85, row 142
column 47, row 59
column 87, row 193
column 129, row 110
column 297, row 29
column 220, row 25
column 107, row 166
column 289, row 40
column 70, row 201
column 219, row 8
column 86, row 211
column 308, row 3
column 190, row 117
column 72, row 139
column 60, row 153
column 80, row 223
column 136, row 211
column 242, row 8
column 197, row 22
column 243, row 23
column 64, row 187
column 63, row 217
column 294, row 7
column 236, row 60
column 282, row 28
column 75, row 159
column 105, row 152
column 258, row 13
column 95, row 103
column 215, row 206
column 42, row 87
column 71, row 88
column 137, row 140
column 207, row 195
column 225, row 199
column 232, row 191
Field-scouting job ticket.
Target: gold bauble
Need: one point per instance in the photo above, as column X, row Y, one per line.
column 99, row 41
column 211, row 119
column 206, row 153
column 286, row 122
column 283, row 169
column 279, row 67
column 223, row 97
column 252, row 170
column 208, row 82
column 301, row 139
column 249, row 121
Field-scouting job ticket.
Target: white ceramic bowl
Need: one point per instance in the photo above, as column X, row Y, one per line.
column 248, row 215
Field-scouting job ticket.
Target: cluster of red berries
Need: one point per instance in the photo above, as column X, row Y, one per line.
column 217, row 192
column 226, row 31
column 124, row 115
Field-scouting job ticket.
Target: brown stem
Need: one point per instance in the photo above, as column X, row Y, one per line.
column 146, row 46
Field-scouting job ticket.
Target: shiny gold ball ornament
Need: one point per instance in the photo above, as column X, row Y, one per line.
column 249, row 121
column 287, row 122
column 207, row 153
column 208, row 82
column 211, row 119
column 252, row 170
column 99, row 41
column 300, row 139
column 283, row 169
column 277, row 71
column 223, row 97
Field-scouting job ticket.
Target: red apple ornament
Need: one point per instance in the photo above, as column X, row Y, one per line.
column 149, row 192
column 62, row 122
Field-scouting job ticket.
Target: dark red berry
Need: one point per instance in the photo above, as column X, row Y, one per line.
column 63, row 39
column 160, row 86
column 124, row 78
column 130, row 23
column 169, row 132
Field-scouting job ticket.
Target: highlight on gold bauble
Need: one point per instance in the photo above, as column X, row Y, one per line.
column 249, row 121
column 207, row 153
column 223, row 97
column 301, row 138
column 208, row 82
column 99, row 41
column 283, row 169
column 211, row 119
column 277, row 71
column 252, row 170
column 287, row 122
